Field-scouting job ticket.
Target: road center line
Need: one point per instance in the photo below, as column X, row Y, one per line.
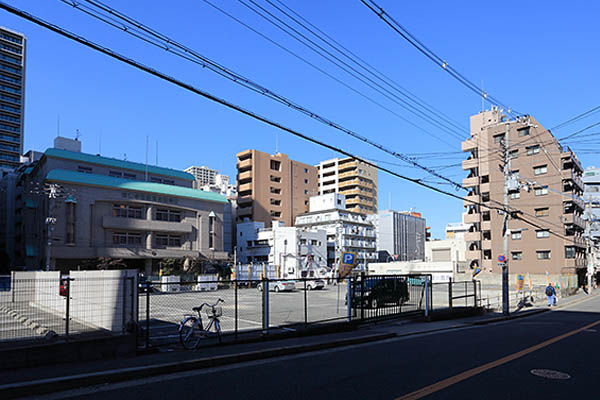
column 427, row 390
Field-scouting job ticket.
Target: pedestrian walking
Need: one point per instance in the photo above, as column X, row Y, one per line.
column 551, row 293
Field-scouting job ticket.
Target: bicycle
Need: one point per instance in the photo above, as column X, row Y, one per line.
column 191, row 329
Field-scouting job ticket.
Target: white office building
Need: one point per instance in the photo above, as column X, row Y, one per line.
column 296, row 253
column 347, row 231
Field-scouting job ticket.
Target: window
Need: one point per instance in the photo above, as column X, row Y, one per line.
column 275, row 202
column 541, row 191
column 305, row 191
column 513, row 153
column 516, row 235
column 275, row 179
column 543, row 254
column 523, row 132
column 275, row 190
column 168, row 181
column 70, row 232
column 313, row 242
column 127, row 175
column 517, row 255
column 306, row 181
column 164, row 214
column 155, row 179
column 305, row 202
column 127, row 211
column 499, row 138
column 542, row 233
column 127, row 238
column 211, row 232
column 570, row 252
column 275, row 165
column 540, row 170
column 115, row 174
column 276, row 214
column 306, row 170
column 542, row 212
column 168, row 241
column 531, row 150
column 515, row 195
column 85, row 170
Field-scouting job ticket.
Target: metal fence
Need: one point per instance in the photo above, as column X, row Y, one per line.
column 47, row 307
column 376, row 297
column 456, row 294
column 247, row 308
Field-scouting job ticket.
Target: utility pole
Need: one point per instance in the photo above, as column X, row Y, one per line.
column 505, row 230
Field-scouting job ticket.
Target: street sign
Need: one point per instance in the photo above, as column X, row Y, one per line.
column 347, row 263
column 501, row 258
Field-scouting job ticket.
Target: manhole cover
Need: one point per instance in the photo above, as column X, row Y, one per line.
column 550, row 374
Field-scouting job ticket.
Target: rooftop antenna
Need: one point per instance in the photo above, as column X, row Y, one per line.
column 77, row 134
column 482, row 97
column 125, row 156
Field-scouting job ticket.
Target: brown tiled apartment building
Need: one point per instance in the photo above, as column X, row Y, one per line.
column 551, row 199
column 273, row 187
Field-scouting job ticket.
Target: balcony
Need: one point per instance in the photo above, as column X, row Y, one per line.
column 470, row 199
column 134, row 224
column 355, row 182
column 469, row 144
column 355, row 201
column 573, row 219
column 472, row 218
column 487, row 264
column 473, row 255
column 348, row 165
column 470, row 182
column 486, row 225
column 484, row 187
column 244, row 200
column 244, row 164
column 575, row 262
column 244, row 212
column 245, row 187
column 486, row 244
column 472, row 236
column 470, row 163
column 244, row 175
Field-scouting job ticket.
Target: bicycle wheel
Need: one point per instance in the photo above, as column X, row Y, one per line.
column 218, row 330
column 190, row 333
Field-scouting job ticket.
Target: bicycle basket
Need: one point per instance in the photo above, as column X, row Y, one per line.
column 218, row 311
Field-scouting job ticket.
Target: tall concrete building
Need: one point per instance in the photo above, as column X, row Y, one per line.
column 400, row 235
column 273, row 187
column 550, row 197
column 203, row 175
column 12, row 96
column 591, row 179
column 354, row 179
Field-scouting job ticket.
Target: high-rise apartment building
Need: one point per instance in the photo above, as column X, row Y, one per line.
column 400, row 235
column 12, row 96
column 273, row 187
column 550, row 197
column 203, row 175
column 354, row 179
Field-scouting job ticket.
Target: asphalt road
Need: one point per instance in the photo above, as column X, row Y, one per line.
column 491, row 361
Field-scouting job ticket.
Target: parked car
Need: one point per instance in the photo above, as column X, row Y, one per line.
column 380, row 292
column 279, row 286
column 315, row 284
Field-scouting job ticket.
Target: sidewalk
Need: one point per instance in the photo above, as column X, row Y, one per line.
column 15, row 383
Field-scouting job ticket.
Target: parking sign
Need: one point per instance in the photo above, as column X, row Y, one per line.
column 347, row 263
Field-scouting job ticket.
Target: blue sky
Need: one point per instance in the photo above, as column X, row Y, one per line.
column 540, row 58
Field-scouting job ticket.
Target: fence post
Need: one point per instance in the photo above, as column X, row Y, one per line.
column 348, row 298
column 305, row 306
column 265, row 296
column 426, row 296
column 236, row 307
column 475, row 293
column 124, row 306
column 67, row 308
column 362, row 296
column 450, row 292
column 147, row 315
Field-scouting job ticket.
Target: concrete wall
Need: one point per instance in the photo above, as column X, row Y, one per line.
column 440, row 271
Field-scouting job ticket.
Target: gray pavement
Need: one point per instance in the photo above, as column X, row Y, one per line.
column 474, row 361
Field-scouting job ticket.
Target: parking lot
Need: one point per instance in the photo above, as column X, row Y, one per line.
column 285, row 308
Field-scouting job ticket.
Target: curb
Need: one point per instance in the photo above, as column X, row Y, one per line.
column 509, row 317
column 51, row 385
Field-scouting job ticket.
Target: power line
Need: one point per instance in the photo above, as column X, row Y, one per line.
column 223, row 71
column 364, row 65
column 156, row 73
column 344, row 66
